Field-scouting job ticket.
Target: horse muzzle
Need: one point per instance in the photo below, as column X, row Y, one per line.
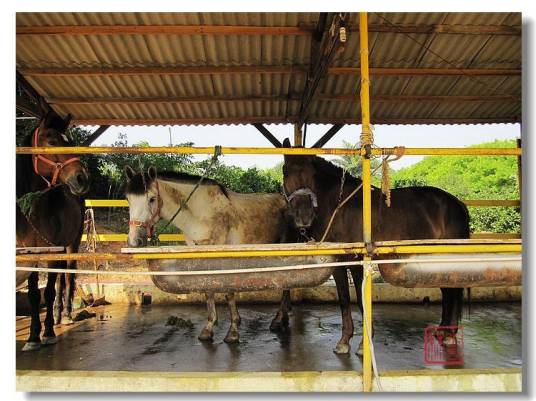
column 78, row 183
column 137, row 237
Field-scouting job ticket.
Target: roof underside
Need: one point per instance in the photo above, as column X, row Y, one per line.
column 457, row 68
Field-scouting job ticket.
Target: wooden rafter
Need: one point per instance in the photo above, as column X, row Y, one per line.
column 268, row 135
column 212, row 70
column 271, row 98
column 31, row 94
column 328, row 135
column 324, row 48
column 27, row 107
column 93, row 137
column 250, row 30
column 283, row 120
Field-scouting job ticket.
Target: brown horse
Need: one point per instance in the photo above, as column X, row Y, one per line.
column 313, row 187
column 55, row 218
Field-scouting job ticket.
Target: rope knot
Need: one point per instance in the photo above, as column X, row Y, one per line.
column 398, row 152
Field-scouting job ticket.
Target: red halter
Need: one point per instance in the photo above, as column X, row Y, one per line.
column 57, row 166
column 149, row 224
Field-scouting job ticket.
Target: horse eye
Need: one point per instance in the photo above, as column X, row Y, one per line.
column 152, row 200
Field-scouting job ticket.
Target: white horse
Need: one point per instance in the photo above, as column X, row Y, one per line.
column 213, row 215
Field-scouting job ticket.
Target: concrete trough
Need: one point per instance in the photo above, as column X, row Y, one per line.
column 476, row 270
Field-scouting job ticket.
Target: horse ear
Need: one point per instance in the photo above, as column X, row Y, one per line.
column 286, row 143
column 67, row 120
column 151, row 172
column 129, row 172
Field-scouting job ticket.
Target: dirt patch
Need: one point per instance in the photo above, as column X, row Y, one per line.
column 179, row 322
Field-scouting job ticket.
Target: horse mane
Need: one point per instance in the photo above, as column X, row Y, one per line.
column 25, row 173
column 331, row 174
column 137, row 184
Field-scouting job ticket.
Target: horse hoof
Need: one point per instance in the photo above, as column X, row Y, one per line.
column 205, row 335
column 66, row 321
column 232, row 338
column 342, row 348
column 359, row 351
column 31, row 346
column 49, row 340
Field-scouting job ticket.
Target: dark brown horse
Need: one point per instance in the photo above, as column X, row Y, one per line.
column 415, row 213
column 55, row 218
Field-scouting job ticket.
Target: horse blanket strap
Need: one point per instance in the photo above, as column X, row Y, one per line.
column 149, row 224
column 304, row 191
column 57, row 166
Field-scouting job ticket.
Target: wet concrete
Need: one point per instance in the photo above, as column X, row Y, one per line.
column 136, row 338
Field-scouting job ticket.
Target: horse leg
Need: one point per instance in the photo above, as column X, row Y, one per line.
column 451, row 303
column 68, row 293
column 208, row 331
column 58, row 302
column 49, row 337
column 280, row 321
column 232, row 335
column 343, row 291
column 34, row 296
column 357, row 276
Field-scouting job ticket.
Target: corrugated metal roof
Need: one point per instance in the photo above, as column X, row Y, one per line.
column 270, row 97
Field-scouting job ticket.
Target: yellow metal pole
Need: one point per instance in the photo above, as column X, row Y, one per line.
column 366, row 142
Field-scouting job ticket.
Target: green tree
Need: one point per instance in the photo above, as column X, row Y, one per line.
column 468, row 177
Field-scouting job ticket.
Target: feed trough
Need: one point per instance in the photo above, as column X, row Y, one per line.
column 465, row 270
column 295, row 276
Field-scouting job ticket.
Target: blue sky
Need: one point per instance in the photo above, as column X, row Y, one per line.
column 385, row 135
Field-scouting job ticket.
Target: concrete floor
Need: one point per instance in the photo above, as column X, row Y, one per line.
column 135, row 338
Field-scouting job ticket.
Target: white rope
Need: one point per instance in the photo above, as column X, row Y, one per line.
column 265, row 269
column 367, row 270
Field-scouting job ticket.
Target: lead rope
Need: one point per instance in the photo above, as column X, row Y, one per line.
column 217, row 153
column 341, row 204
column 367, row 268
column 91, row 239
column 398, row 152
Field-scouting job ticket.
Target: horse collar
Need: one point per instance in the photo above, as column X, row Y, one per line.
column 57, row 166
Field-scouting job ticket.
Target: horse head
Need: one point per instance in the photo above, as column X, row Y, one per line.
column 56, row 168
column 300, row 188
column 144, row 203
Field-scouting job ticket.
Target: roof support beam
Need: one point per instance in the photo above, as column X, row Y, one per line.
column 291, row 120
column 268, row 135
column 325, row 45
column 42, row 107
column 93, row 137
column 319, row 97
column 253, row 30
column 27, row 107
column 328, row 135
column 212, row 70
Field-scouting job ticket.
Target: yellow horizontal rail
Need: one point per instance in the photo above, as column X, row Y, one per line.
column 468, row 202
column 123, row 237
column 106, row 203
column 381, row 250
column 495, row 236
column 268, row 151
column 492, row 202
column 477, row 248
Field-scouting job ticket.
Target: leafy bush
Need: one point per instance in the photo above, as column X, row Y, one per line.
column 468, row 177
